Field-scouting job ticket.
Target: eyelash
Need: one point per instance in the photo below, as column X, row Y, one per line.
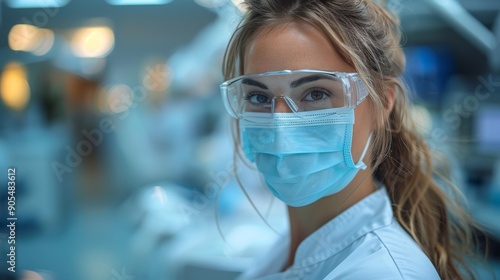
column 322, row 90
column 251, row 94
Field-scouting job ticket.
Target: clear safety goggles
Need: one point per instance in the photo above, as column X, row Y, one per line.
column 303, row 91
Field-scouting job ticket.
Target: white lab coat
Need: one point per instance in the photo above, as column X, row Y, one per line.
column 363, row 242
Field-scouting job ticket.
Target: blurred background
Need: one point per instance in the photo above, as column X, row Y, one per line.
column 111, row 115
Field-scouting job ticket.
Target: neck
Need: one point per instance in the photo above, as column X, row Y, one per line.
column 307, row 219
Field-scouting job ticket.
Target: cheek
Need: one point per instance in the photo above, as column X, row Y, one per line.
column 362, row 128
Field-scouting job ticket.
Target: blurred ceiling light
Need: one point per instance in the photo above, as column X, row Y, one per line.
column 138, row 2
column 29, row 38
column 46, row 42
column 36, row 3
column 14, row 87
column 211, row 3
column 93, row 41
column 23, row 37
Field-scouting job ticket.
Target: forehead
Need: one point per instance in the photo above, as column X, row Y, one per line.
column 292, row 46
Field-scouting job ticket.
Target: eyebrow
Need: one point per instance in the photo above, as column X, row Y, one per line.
column 251, row 82
column 294, row 84
column 308, row 79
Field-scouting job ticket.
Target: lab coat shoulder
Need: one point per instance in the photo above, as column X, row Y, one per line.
column 406, row 253
column 386, row 253
column 364, row 242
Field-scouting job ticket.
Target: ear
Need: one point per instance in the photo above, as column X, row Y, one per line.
column 388, row 101
column 390, row 98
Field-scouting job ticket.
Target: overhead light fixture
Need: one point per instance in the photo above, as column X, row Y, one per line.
column 93, row 42
column 46, row 42
column 138, row 2
column 36, row 3
column 14, row 87
column 29, row 38
column 23, row 37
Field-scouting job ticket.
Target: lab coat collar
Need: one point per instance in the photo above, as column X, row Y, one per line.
column 369, row 214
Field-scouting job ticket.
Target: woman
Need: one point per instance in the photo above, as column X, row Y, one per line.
column 316, row 90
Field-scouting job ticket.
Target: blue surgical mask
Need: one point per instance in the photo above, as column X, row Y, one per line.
column 302, row 157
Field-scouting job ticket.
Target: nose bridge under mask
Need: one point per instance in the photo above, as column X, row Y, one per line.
column 288, row 133
column 292, row 140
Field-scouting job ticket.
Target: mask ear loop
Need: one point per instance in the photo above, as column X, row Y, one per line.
column 360, row 163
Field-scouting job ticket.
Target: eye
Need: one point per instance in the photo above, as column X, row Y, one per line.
column 257, row 98
column 316, row 95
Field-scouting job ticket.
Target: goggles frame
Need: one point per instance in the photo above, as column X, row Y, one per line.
column 353, row 88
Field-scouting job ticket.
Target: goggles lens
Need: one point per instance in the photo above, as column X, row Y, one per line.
column 300, row 90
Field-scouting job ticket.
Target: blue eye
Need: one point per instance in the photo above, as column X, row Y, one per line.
column 257, row 98
column 316, row 95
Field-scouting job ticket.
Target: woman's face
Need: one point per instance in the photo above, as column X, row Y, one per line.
column 298, row 45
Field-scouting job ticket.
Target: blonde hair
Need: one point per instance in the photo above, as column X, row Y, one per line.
column 367, row 36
